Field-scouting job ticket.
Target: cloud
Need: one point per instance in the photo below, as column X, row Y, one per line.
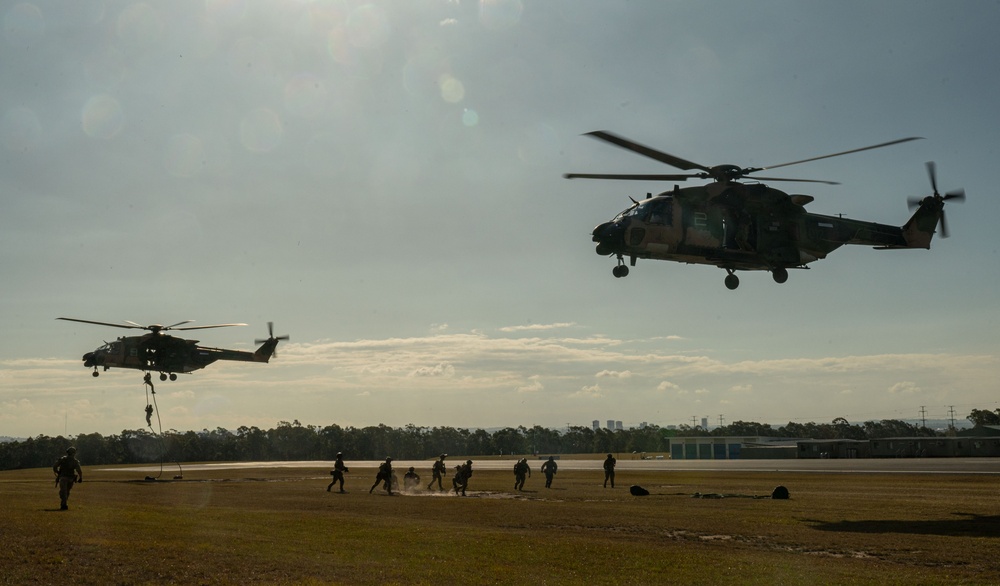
column 533, row 386
column 537, row 327
column 588, row 392
column 438, row 370
column 614, row 374
column 905, row 388
column 741, row 388
column 667, row 386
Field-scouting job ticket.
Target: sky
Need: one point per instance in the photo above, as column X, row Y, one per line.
column 383, row 181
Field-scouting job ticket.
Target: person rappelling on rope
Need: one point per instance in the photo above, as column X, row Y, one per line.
column 149, row 415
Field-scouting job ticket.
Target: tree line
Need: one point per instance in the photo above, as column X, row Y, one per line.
column 295, row 441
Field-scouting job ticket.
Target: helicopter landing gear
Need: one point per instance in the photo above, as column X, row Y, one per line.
column 95, row 374
column 780, row 275
column 732, row 281
column 621, row 270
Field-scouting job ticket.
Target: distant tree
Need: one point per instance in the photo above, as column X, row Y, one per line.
column 984, row 417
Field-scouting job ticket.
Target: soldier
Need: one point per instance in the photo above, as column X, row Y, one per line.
column 410, row 480
column 438, row 471
column 384, row 475
column 67, row 470
column 338, row 473
column 609, row 470
column 520, row 469
column 462, row 475
column 549, row 470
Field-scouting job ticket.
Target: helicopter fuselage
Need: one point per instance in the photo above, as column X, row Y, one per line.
column 744, row 226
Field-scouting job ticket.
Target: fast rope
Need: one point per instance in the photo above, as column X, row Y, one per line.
column 150, row 390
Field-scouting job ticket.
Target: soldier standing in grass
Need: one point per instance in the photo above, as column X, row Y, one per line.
column 520, row 470
column 338, row 473
column 437, row 472
column 549, row 469
column 68, row 472
column 384, row 475
column 411, row 480
column 609, row 470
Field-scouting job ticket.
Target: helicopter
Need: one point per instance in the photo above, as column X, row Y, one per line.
column 746, row 226
column 166, row 354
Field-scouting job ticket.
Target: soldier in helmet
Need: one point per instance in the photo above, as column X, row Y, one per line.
column 67, row 470
column 462, row 474
column 609, row 470
column 339, row 468
column 549, row 469
column 437, row 472
column 384, row 475
column 411, row 480
column 520, row 470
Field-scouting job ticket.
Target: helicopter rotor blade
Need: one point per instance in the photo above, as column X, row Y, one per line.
column 647, row 151
column 867, row 148
column 132, row 325
column 796, row 180
column 932, row 174
column 944, row 226
column 631, row 177
column 958, row 195
column 202, row 327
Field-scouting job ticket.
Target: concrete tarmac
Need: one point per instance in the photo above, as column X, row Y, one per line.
column 835, row 466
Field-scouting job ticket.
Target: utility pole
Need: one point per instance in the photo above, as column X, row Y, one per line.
column 923, row 417
column 694, row 421
column 721, row 423
column 951, row 415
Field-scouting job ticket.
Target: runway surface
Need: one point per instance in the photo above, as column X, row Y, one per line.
column 845, row 466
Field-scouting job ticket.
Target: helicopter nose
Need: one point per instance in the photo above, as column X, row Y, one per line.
column 610, row 237
column 88, row 359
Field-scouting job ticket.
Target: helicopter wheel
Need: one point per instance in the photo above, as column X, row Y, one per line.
column 95, row 374
column 173, row 376
column 732, row 281
column 780, row 274
column 163, row 376
column 620, row 271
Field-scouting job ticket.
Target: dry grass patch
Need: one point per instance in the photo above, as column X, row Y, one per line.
column 280, row 526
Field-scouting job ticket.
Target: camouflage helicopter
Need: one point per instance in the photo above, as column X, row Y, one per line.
column 166, row 354
column 746, row 226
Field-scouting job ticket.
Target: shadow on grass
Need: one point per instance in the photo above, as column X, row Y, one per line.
column 963, row 525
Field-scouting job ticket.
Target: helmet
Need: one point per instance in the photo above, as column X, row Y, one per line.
column 339, row 454
column 610, row 456
column 411, row 468
column 443, row 456
column 468, row 461
column 388, row 459
column 70, row 450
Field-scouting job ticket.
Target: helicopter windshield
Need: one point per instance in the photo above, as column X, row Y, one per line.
column 654, row 211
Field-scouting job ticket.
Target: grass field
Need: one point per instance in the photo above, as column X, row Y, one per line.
column 281, row 526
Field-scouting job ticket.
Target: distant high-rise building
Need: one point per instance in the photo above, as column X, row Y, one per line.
column 618, row 426
column 597, row 424
column 611, row 424
column 704, row 422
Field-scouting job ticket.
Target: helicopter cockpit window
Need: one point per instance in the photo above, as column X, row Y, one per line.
column 656, row 211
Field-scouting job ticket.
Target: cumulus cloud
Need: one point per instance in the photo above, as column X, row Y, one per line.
column 904, row 387
column 667, row 386
column 588, row 392
column 534, row 385
column 441, row 369
column 614, row 374
column 537, row 327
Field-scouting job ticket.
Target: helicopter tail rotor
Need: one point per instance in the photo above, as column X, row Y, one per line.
column 936, row 200
column 269, row 345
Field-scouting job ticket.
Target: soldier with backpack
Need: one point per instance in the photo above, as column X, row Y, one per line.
column 437, row 472
column 520, row 470
column 68, row 472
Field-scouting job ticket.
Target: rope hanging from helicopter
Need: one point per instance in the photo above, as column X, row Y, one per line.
column 150, row 408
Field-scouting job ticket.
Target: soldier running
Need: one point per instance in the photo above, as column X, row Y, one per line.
column 339, row 469
column 520, row 470
column 549, row 469
column 609, row 470
column 411, row 480
column 462, row 475
column 384, row 475
column 437, row 472
column 67, row 470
